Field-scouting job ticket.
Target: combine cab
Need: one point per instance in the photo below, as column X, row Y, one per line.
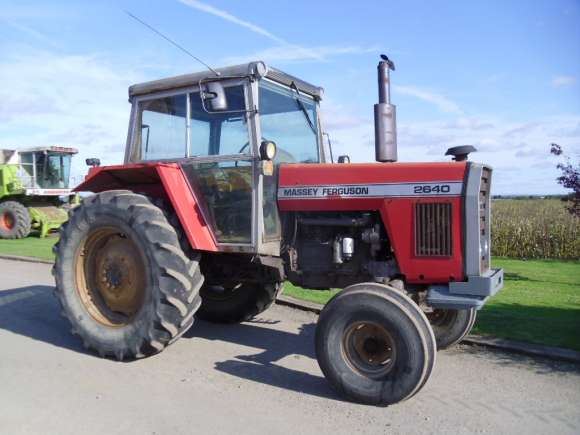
column 228, row 190
column 32, row 182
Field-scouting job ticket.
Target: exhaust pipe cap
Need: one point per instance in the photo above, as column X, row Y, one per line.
column 461, row 152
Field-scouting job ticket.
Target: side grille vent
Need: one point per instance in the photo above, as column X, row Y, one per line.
column 433, row 229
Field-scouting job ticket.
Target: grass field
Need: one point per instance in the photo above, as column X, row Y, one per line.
column 540, row 302
column 30, row 247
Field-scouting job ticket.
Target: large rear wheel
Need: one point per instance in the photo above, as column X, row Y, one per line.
column 374, row 344
column 451, row 326
column 14, row 220
column 122, row 278
column 236, row 304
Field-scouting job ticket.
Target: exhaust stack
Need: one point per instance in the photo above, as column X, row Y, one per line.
column 385, row 115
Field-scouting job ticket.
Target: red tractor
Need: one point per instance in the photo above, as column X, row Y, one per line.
column 228, row 190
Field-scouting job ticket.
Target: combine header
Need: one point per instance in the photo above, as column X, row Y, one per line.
column 32, row 181
column 228, row 190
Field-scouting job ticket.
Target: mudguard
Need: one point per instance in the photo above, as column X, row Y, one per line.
column 162, row 180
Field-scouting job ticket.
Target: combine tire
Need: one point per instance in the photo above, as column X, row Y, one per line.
column 122, row 279
column 451, row 326
column 14, row 220
column 374, row 345
column 238, row 304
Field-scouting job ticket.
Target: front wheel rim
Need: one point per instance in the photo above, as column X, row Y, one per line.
column 369, row 349
column 7, row 221
column 111, row 279
column 441, row 317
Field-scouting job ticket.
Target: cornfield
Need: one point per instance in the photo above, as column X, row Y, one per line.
column 534, row 228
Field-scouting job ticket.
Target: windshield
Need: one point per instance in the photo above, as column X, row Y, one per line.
column 289, row 119
column 52, row 171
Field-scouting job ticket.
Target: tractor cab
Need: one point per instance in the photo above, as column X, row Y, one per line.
column 228, row 133
column 45, row 170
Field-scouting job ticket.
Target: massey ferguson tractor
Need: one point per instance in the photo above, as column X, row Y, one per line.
column 227, row 191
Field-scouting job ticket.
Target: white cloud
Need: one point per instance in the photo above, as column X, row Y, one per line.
column 204, row 7
column 443, row 103
column 563, row 81
column 288, row 54
column 518, row 151
column 70, row 100
column 39, row 36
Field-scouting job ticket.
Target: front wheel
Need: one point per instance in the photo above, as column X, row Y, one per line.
column 374, row 344
column 122, row 278
column 451, row 326
column 14, row 220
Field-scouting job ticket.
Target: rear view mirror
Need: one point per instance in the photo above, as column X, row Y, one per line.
column 214, row 97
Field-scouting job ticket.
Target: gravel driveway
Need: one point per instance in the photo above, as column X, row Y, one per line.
column 257, row 377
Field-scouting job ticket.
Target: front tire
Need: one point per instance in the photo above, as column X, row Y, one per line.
column 451, row 326
column 14, row 220
column 237, row 304
column 122, row 278
column 374, row 345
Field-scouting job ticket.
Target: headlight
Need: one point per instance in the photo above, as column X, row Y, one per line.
column 267, row 150
column 484, row 247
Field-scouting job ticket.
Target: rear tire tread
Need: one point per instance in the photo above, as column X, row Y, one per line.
column 178, row 288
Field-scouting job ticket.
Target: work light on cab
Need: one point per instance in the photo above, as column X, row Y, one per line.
column 267, row 150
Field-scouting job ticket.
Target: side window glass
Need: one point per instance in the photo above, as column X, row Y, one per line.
column 234, row 137
column 225, row 189
column 163, row 128
column 219, row 133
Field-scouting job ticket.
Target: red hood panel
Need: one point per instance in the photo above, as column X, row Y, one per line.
column 369, row 173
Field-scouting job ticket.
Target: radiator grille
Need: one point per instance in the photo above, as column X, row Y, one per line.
column 433, row 229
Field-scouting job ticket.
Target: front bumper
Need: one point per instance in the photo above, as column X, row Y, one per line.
column 472, row 293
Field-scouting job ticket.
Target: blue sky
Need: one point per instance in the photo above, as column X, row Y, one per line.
column 502, row 75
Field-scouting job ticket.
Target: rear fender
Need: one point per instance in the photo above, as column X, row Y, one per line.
column 161, row 180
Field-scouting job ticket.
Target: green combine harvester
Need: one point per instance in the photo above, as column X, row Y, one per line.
column 33, row 183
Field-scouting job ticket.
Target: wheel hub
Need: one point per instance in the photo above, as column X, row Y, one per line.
column 369, row 348
column 111, row 277
column 7, row 220
column 440, row 317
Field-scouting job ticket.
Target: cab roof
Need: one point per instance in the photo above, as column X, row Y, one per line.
column 50, row 149
column 257, row 69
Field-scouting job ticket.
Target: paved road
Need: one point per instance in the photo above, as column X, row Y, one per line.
column 258, row 377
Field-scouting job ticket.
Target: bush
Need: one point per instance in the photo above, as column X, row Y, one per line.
column 534, row 228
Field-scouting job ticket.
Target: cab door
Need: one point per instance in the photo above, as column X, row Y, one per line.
column 215, row 151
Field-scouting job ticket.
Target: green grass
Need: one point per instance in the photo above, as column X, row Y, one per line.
column 29, row 247
column 540, row 303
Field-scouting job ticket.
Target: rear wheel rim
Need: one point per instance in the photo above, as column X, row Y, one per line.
column 441, row 317
column 220, row 293
column 369, row 349
column 110, row 272
column 7, row 221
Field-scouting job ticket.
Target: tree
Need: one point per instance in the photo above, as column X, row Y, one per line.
column 569, row 178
